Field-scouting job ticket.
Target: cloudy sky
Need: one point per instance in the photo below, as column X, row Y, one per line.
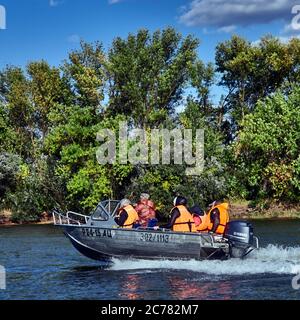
column 48, row 29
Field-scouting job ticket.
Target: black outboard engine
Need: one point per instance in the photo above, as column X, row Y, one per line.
column 240, row 238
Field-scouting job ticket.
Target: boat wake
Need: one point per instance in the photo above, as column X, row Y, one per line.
column 271, row 259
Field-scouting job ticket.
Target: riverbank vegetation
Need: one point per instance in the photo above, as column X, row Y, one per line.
column 50, row 116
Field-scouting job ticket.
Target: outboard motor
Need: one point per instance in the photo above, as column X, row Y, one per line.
column 240, row 238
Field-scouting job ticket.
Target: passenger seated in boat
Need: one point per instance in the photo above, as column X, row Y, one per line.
column 127, row 216
column 146, row 211
column 218, row 217
column 181, row 219
column 200, row 218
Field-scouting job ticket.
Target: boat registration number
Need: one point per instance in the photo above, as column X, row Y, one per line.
column 99, row 233
column 154, row 237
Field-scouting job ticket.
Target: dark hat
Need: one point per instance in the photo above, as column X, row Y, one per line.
column 180, row 201
column 197, row 210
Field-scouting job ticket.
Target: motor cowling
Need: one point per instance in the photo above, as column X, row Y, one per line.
column 239, row 234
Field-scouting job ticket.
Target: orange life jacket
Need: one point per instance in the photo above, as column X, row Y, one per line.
column 185, row 222
column 132, row 217
column 203, row 226
column 224, row 217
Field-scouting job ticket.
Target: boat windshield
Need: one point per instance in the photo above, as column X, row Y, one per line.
column 105, row 209
column 100, row 214
column 111, row 206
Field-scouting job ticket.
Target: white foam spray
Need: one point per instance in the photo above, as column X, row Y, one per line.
column 272, row 259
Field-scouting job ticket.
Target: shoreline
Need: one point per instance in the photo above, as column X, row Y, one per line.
column 6, row 219
column 242, row 210
column 13, row 224
column 262, row 217
column 238, row 210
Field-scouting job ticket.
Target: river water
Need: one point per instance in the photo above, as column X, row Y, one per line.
column 41, row 263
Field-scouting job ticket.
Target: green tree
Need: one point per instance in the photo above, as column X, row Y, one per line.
column 85, row 74
column 148, row 74
column 18, row 110
column 9, row 168
column 72, row 142
column 49, row 91
column 250, row 72
column 268, row 147
column 7, row 133
column 211, row 184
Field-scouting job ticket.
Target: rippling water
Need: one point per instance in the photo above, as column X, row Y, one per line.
column 42, row 264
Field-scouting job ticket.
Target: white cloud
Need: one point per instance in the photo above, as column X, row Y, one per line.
column 228, row 13
column 289, row 29
column 288, row 38
column 55, row 3
column 74, row 38
column 227, row 29
column 255, row 43
column 114, row 1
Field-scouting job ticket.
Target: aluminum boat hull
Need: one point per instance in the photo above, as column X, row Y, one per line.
column 98, row 237
column 105, row 243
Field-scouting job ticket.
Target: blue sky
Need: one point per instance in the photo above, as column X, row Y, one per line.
column 49, row 29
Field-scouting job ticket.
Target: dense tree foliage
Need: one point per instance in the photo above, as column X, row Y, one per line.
column 251, row 72
column 50, row 117
column 148, row 74
column 268, row 148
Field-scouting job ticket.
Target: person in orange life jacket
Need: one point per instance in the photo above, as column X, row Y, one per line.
column 218, row 216
column 127, row 216
column 200, row 218
column 146, row 211
column 181, row 219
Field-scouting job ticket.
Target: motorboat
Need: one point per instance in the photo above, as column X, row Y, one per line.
column 97, row 236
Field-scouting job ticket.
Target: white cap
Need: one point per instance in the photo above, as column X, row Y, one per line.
column 145, row 196
column 124, row 203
